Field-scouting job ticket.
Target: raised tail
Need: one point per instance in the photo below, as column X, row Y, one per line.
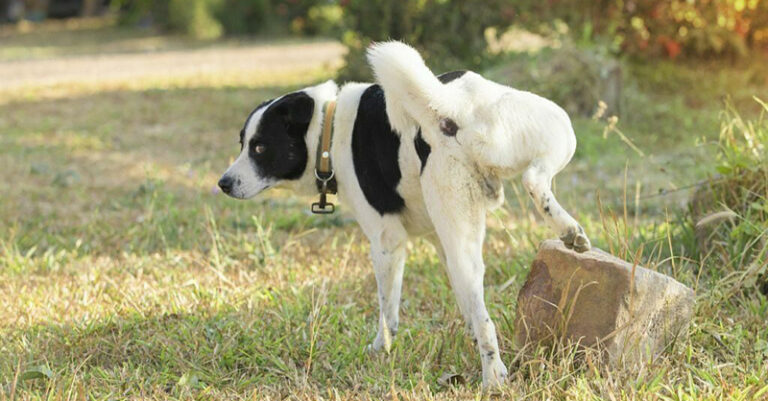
column 414, row 95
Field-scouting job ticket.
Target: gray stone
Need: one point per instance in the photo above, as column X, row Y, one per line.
column 593, row 298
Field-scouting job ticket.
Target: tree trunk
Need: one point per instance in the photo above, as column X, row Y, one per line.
column 90, row 8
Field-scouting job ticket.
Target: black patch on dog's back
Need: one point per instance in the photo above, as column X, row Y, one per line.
column 375, row 153
column 281, row 130
column 450, row 76
column 422, row 149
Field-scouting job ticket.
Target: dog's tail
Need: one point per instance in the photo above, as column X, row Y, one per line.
column 414, row 94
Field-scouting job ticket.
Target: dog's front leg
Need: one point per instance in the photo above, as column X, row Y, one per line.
column 456, row 207
column 388, row 257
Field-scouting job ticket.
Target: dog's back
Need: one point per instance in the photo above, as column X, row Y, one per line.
column 499, row 127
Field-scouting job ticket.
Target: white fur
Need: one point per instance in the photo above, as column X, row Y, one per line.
column 502, row 131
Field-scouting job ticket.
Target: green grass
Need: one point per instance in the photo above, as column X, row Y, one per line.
column 125, row 275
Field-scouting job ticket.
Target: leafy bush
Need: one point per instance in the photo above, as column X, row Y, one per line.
column 245, row 17
column 133, row 12
column 195, row 18
column 450, row 33
column 657, row 28
column 322, row 19
column 577, row 79
column 742, row 143
column 731, row 210
column 207, row 19
column 191, row 17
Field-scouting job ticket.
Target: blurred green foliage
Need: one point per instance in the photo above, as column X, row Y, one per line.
column 194, row 17
column 742, row 142
column 209, row 19
column 575, row 78
column 739, row 192
column 657, row 28
column 450, row 33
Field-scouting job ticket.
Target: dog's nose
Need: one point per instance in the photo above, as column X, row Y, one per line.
column 225, row 183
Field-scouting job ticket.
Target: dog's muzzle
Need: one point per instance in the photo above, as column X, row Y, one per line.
column 226, row 183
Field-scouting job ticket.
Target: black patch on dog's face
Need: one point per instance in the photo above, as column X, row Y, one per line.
column 375, row 153
column 280, row 133
column 242, row 131
column 422, row 149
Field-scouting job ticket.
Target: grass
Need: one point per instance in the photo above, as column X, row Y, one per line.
column 125, row 275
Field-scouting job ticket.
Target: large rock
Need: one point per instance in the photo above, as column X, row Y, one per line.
column 592, row 298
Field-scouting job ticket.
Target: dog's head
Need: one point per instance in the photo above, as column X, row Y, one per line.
column 273, row 142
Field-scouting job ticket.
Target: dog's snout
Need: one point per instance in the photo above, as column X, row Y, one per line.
column 226, row 183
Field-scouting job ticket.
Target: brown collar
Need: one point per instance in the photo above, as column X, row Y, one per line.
column 326, row 183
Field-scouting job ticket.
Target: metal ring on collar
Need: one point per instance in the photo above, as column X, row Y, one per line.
column 324, row 179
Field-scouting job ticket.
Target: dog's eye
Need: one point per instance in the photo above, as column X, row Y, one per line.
column 259, row 148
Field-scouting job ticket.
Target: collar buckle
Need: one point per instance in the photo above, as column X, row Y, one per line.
column 323, row 206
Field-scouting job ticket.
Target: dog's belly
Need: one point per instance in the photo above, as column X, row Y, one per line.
column 414, row 216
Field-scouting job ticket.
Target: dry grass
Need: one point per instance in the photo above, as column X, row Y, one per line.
column 125, row 275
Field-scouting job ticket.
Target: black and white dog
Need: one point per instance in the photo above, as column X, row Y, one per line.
column 416, row 155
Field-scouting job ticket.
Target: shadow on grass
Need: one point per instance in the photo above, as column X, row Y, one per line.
column 312, row 337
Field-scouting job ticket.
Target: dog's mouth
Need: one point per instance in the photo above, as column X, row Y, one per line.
column 247, row 193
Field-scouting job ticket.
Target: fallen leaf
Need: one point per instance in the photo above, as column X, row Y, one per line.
column 451, row 379
column 38, row 372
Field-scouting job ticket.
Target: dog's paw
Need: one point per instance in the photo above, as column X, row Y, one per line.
column 382, row 342
column 372, row 348
column 576, row 239
column 581, row 243
column 495, row 376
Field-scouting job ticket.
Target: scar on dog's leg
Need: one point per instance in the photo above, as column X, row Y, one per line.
column 451, row 193
column 388, row 256
column 538, row 182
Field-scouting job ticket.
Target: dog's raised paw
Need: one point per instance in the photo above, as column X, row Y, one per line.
column 576, row 239
column 568, row 239
column 581, row 243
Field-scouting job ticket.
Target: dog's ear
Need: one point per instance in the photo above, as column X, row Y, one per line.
column 295, row 108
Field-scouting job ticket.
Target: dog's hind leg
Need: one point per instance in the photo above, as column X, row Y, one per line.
column 388, row 257
column 537, row 180
column 435, row 240
column 456, row 205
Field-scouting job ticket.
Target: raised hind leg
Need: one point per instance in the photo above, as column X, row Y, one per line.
column 537, row 180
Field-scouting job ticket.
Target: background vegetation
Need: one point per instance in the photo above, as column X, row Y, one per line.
column 452, row 31
column 125, row 274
